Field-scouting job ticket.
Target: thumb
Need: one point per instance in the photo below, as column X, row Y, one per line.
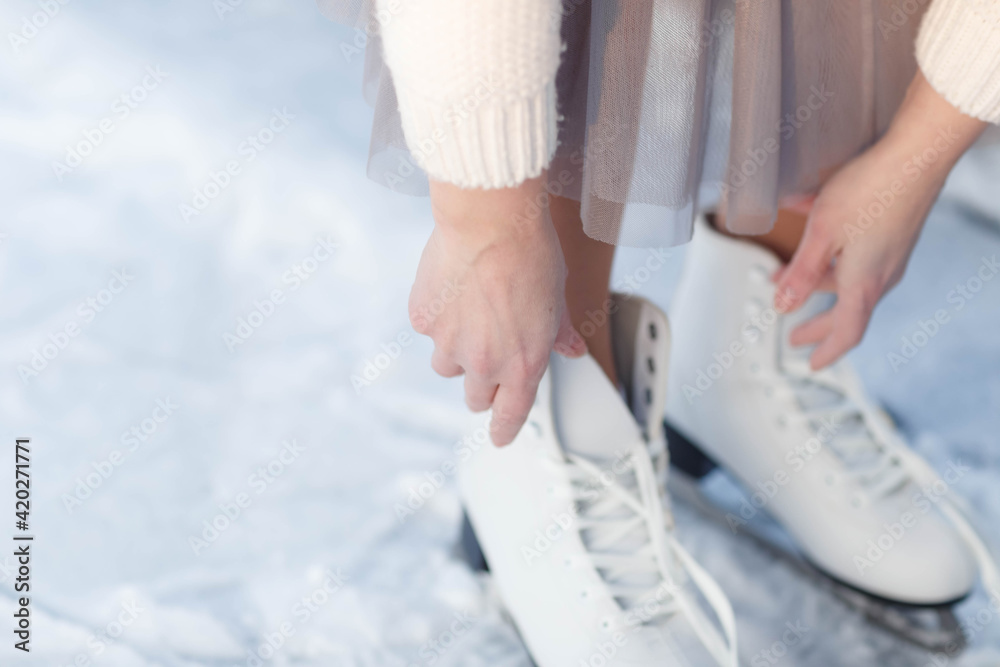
column 569, row 342
column 804, row 273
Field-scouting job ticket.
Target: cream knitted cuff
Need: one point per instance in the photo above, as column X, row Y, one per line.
column 482, row 142
column 475, row 81
column 958, row 50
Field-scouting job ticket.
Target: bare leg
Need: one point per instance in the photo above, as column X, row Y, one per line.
column 588, row 263
column 783, row 238
column 589, row 267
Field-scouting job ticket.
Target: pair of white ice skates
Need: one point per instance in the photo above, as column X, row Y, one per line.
column 574, row 518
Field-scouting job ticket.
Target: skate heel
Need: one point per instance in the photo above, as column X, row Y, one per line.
column 687, row 456
column 469, row 548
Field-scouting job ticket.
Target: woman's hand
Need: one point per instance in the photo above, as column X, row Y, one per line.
column 866, row 219
column 490, row 292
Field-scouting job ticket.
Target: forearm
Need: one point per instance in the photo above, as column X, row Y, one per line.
column 930, row 131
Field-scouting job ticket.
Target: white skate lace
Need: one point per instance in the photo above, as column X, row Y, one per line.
column 864, row 439
column 842, row 420
column 628, row 534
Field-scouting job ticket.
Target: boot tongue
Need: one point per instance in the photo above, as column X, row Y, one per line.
column 594, row 422
column 590, row 416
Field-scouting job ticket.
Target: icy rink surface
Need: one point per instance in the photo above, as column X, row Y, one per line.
column 321, row 525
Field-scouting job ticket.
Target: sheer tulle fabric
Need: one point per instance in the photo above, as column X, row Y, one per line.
column 671, row 107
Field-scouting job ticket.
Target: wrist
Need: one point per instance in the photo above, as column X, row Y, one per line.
column 928, row 132
column 479, row 216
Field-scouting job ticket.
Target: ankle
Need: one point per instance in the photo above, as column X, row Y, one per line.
column 783, row 239
column 605, row 358
column 589, row 312
column 598, row 339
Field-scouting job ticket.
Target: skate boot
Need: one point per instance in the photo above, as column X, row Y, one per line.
column 574, row 525
column 810, row 447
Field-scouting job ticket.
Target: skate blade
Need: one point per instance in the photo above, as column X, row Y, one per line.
column 933, row 628
column 469, row 549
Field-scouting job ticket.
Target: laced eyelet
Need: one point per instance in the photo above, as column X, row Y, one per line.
column 649, row 396
column 650, row 364
column 584, row 594
column 652, row 331
column 537, row 427
column 606, row 624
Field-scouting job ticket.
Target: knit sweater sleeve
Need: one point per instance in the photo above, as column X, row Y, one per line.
column 958, row 50
column 475, row 83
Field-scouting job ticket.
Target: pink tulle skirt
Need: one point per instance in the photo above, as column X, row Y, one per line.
column 672, row 107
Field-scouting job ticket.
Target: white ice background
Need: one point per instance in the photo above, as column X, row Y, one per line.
column 331, row 509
